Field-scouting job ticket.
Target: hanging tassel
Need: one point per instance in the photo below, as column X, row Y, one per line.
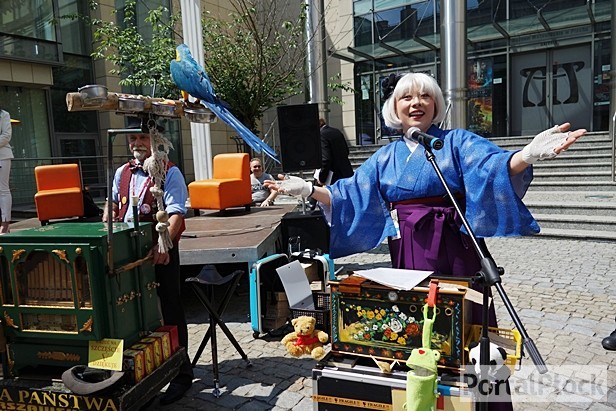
column 156, row 167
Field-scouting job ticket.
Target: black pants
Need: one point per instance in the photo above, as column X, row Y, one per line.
column 168, row 276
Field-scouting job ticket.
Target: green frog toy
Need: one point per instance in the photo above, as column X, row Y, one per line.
column 421, row 380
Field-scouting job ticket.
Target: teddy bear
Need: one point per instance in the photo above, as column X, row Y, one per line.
column 305, row 339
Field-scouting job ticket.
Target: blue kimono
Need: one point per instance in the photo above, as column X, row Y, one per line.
column 473, row 167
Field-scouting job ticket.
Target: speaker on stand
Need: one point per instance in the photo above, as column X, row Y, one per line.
column 300, row 146
column 300, row 137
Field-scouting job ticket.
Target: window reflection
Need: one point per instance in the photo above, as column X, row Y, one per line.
column 28, row 19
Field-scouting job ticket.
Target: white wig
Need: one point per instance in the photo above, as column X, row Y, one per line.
column 414, row 82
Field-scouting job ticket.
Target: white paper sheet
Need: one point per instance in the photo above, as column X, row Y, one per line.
column 296, row 285
column 397, row 278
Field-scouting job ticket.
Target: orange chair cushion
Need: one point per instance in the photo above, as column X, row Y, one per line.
column 230, row 186
column 59, row 193
column 217, row 194
column 60, row 203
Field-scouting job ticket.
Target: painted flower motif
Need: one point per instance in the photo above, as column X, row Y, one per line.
column 396, row 325
column 386, row 323
column 412, row 329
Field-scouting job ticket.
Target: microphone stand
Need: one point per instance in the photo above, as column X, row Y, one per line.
column 489, row 275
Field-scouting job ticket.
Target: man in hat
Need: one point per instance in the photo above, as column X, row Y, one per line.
column 131, row 180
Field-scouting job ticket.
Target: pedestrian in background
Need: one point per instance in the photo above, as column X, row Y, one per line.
column 6, row 154
column 334, row 155
column 609, row 342
column 261, row 195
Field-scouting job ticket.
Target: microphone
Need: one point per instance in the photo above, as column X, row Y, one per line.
column 426, row 140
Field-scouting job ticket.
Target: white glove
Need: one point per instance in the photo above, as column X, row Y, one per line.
column 543, row 145
column 295, row 186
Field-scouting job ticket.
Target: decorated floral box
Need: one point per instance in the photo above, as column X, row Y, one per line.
column 370, row 319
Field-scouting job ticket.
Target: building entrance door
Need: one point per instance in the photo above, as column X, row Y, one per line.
column 549, row 88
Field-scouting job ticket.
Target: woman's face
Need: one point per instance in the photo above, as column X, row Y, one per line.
column 416, row 109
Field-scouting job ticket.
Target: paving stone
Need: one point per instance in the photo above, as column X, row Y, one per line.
column 567, row 305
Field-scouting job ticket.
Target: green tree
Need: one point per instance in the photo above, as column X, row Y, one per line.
column 256, row 58
column 140, row 58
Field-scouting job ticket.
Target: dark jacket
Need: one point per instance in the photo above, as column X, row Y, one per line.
column 335, row 155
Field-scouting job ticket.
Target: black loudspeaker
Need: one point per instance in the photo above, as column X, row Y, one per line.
column 300, row 138
column 305, row 231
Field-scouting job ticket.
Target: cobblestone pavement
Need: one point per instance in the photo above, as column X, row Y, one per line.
column 562, row 290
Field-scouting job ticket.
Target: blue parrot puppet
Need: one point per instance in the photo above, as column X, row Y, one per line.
column 192, row 79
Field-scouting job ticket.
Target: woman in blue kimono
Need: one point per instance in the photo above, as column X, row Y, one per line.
column 396, row 193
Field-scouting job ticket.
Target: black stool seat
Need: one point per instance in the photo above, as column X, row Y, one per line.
column 203, row 285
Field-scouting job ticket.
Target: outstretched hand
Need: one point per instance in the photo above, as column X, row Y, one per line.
column 291, row 185
column 549, row 143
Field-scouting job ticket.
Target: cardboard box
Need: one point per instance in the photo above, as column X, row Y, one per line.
column 148, row 354
column 276, row 311
column 157, row 349
column 133, row 364
column 165, row 341
column 173, row 336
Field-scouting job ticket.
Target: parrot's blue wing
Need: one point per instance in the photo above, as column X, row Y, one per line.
column 248, row 136
column 190, row 77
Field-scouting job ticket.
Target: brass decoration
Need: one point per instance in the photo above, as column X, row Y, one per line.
column 78, row 250
column 87, row 326
column 9, row 321
column 61, row 254
column 1, row 250
column 58, row 356
column 17, row 254
column 152, row 285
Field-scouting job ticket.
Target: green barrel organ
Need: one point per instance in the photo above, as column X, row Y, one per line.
column 58, row 293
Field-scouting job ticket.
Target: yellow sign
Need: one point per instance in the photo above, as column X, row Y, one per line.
column 106, row 354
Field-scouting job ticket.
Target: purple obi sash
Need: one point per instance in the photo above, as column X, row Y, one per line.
column 430, row 239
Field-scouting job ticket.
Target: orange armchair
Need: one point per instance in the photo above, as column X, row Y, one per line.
column 59, row 193
column 229, row 187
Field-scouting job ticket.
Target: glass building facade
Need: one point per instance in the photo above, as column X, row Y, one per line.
column 530, row 64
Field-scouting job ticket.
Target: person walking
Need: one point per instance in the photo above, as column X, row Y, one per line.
column 6, row 155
